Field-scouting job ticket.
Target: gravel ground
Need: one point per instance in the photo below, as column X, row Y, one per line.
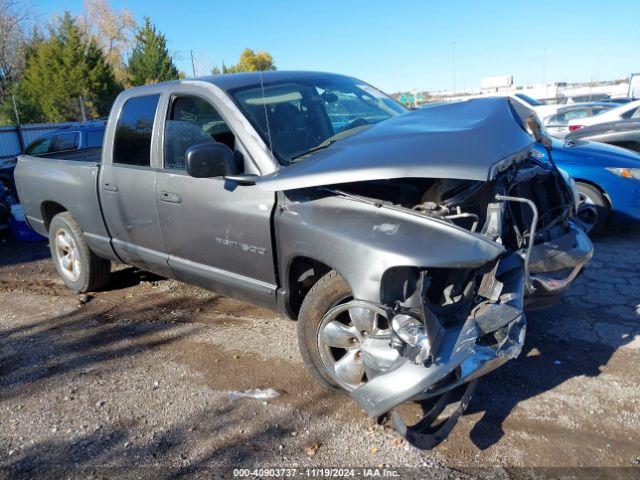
column 134, row 381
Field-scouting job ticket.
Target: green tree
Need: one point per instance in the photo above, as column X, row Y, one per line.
column 66, row 77
column 251, row 61
column 150, row 61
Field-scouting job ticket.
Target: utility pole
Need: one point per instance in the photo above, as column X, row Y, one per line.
column 193, row 65
column 544, row 72
column 82, row 109
column 464, row 79
column 453, row 65
column 18, row 128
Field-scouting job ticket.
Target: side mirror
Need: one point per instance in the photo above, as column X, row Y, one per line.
column 206, row 160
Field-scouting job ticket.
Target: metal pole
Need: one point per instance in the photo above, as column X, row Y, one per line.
column 82, row 110
column 193, row 65
column 544, row 72
column 453, row 56
column 18, row 129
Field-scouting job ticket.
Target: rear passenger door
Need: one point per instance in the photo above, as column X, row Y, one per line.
column 127, row 184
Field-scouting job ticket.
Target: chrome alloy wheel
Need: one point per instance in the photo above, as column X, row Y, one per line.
column 67, row 255
column 587, row 214
column 354, row 341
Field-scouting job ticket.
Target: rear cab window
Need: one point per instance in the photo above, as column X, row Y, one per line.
column 132, row 141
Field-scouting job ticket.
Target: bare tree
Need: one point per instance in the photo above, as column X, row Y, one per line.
column 14, row 19
column 112, row 29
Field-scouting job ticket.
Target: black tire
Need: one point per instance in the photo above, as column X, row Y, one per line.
column 325, row 294
column 594, row 218
column 93, row 270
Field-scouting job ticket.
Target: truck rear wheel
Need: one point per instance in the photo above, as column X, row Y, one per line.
column 343, row 342
column 80, row 268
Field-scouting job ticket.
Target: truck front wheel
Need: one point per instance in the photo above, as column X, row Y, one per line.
column 343, row 342
column 80, row 268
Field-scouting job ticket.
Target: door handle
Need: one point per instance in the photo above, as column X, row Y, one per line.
column 170, row 197
column 110, row 187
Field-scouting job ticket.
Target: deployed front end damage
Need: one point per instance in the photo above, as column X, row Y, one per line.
column 439, row 285
column 440, row 270
column 456, row 344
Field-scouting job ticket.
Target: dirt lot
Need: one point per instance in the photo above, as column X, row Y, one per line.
column 134, row 381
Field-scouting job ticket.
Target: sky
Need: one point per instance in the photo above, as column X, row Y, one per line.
column 401, row 45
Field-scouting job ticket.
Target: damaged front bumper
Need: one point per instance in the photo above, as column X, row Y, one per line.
column 460, row 358
column 491, row 335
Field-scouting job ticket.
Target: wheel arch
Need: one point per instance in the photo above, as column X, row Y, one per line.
column 302, row 273
column 604, row 193
column 50, row 209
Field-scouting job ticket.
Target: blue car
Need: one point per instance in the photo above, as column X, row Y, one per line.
column 607, row 179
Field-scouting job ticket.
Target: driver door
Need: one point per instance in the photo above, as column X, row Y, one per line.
column 217, row 233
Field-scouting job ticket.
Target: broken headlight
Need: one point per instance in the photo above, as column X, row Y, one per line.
column 412, row 332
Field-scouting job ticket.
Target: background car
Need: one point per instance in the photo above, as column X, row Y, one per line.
column 624, row 133
column 623, row 112
column 557, row 125
column 76, row 137
column 607, row 179
column 589, row 97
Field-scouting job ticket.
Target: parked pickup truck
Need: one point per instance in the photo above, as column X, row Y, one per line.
column 404, row 243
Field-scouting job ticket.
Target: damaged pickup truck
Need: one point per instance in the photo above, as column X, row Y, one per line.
column 406, row 244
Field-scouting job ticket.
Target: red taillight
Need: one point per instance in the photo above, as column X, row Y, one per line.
column 573, row 128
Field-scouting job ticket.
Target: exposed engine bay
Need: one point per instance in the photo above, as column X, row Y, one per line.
column 466, row 203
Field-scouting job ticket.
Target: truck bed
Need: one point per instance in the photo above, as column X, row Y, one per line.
column 49, row 184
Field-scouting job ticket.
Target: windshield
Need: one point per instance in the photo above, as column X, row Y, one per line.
column 297, row 118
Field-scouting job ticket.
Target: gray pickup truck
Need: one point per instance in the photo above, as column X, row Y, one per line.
column 405, row 243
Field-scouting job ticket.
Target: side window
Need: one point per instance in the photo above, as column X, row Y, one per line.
column 65, row 141
column 40, row 146
column 192, row 120
column 132, row 143
column 573, row 114
column 95, row 138
column 554, row 120
column 630, row 113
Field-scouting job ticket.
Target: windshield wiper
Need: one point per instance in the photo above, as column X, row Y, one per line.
column 331, row 140
column 315, row 149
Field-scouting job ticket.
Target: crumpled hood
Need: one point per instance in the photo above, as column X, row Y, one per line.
column 459, row 141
